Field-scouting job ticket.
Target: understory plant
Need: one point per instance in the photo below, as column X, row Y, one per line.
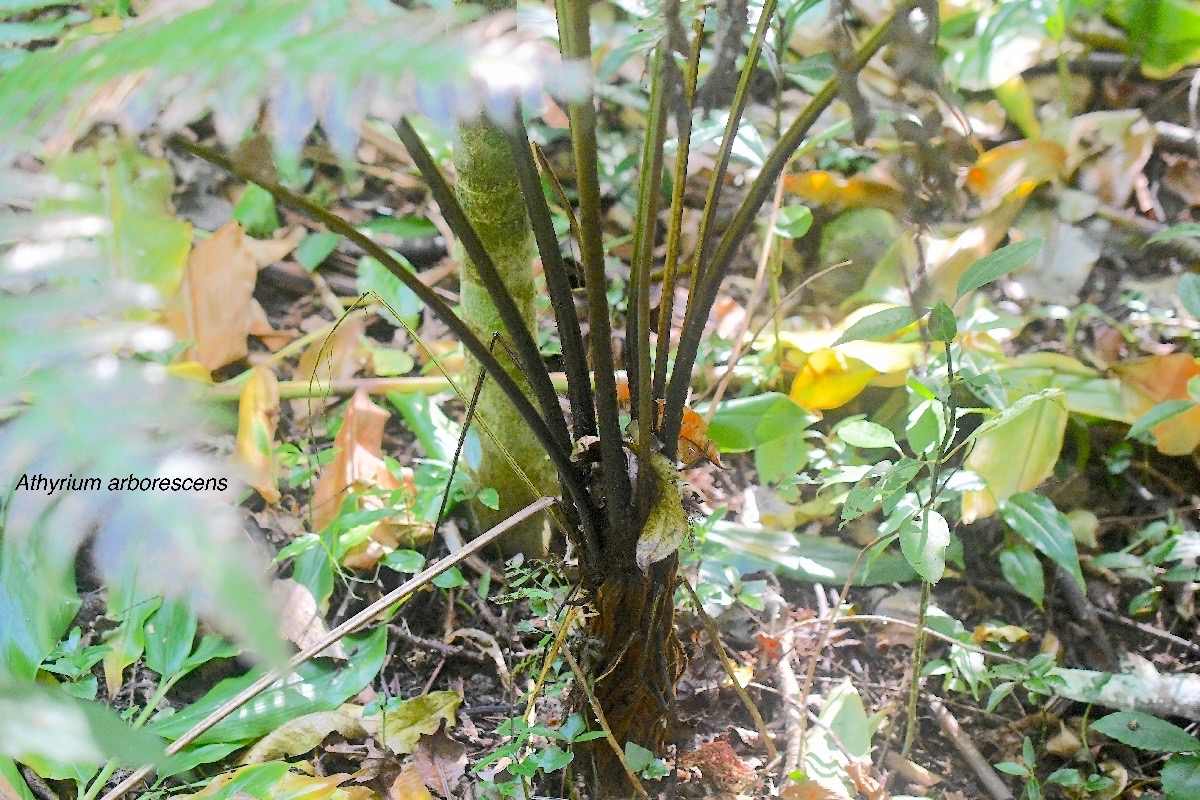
column 621, row 507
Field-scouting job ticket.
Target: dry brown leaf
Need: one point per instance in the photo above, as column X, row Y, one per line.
column 408, row 786
column 809, row 790
column 213, row 306
column 268, row 251
column 260, row 326
column 300, row 621
column 358, row 466
column 910, row 770
column 1146, row 382
column 335, row 357
column 720, row 766
column 441, row 762
column 258, row 418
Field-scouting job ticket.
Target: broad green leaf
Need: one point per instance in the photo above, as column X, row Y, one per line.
column 317, row 685
column 131, row 606
column 1146, row 732
column 1159, row 414
column 170, row 634
column 637, row 757
column 923, row 540
column 255, row 210
column 315, row 248
column 877, row 325
column 746, row 423
column 1021, row 567
column 793, row 221
column 12, row 784
column 1181, row 777
column 1189, row 290
column 866, row 434
column 1035, row 519
column 1184, row 230
column 782, row 458
column 408, row 226
column 437, row 433
column 416, row 717
column 942, row 325
column 48, row 730
column 926, row 426
column 375, row 277
column 37, row 599
column 997, row 264
column 132, row 193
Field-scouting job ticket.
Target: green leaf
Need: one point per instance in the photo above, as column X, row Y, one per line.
column 942, row 325
column 132, row 193
column 316, row 685
column 1181, row 777
column 924, row 540
column 131, row 606
column 255, row 210
column 879, row 324
column 375, row 277
column 170, row 634
column 793, row 221
column 866, row 434
column 1018, row 408
column 746, row 423
column 409, row 226
column 782, row 458
column 315, row 248
column 1157, row 415
column 1146, row 732
column 637, row 757
column 48, row 729
column 1184, row 230
column 489, row 497
column 1035, row 519
column 553, row 758
column 10, row 773
column 997, row 264
column 1021, row 568
column 450, row 579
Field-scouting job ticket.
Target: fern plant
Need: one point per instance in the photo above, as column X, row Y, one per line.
column 334, row 63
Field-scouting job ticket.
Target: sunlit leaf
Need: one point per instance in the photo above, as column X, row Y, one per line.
column 1182, row 230
column 923, row 540
column 866, row 434
column 258, row 417
column 1016, row 167
column 302, row 734
column 403, row 726
column 831, row 189
column 1039, row 422
column 750, row 422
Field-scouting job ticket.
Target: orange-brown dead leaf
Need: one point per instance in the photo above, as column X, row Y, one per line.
column 358, row 466
column 258, row 418
column 868, row 785
column 213, row 306
column 1146, row 382
column 694, row 443
column 809, row 790
column 408, row 786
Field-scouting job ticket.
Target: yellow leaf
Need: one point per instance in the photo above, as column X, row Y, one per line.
column 401, row 728
column 829, row 379
column 1015, row 167
column 408, row 786
column 302, row 734
column 1038, row 432
column 830, row 189
column 190, row 370
column 258, row 418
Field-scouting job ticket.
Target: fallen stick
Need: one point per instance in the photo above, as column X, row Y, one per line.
column 962, row 742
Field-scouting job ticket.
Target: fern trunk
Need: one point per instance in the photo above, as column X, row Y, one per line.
column 488, row 190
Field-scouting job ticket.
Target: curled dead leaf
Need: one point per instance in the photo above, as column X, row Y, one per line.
column 667, row 523
column 1146, row 382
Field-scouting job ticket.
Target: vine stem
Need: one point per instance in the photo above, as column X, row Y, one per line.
column 336, row 634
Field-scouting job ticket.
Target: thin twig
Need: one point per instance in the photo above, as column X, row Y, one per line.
column 970, row 753
column 612, row 740
column 731, row 671
column 336, row 634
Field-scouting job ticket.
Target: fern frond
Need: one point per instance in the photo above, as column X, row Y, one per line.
column 331, row 62
column 75, row 404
